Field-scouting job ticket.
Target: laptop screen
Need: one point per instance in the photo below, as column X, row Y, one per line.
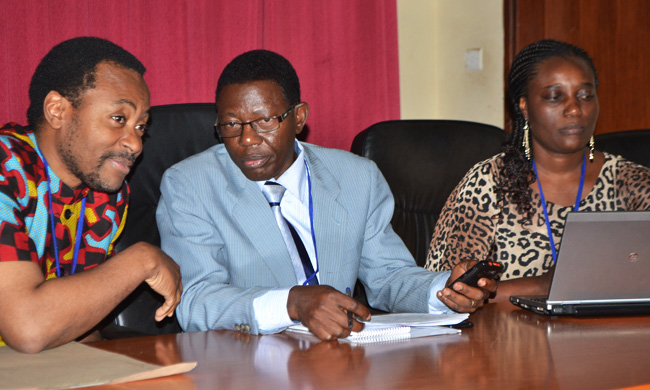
column 603, row 256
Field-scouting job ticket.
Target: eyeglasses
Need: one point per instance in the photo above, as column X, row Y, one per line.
column 262, row 125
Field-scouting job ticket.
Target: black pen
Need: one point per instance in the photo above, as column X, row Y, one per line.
column 350, row 322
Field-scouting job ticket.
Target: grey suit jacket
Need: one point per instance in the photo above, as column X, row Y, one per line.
column 217, row 225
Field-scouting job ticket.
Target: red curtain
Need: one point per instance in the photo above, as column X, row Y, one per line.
column 345, row 51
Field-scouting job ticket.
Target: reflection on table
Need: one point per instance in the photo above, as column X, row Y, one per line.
column 506, row 348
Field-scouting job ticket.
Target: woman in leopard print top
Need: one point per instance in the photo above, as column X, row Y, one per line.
column 496, row 212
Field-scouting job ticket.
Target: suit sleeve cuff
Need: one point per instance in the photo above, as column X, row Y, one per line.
column 271, row 311
column 435, row 305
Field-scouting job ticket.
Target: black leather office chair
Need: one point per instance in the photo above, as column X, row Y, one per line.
column 634, row 145
column 423, row 160
column 176, row 131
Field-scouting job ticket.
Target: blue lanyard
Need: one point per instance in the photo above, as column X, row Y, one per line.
column 80, row 225
column 311, row 223
column 575, row 207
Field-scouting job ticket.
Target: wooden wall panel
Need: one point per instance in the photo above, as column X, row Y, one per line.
column 616, row 33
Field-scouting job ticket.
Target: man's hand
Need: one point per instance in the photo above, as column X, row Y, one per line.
column 462, row 298
column 323, row 310
column 165, row 277
column 27, row 300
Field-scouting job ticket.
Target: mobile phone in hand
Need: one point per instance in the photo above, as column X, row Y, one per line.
column 482, row 269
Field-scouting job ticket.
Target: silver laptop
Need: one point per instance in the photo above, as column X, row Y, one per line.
column 603, row 267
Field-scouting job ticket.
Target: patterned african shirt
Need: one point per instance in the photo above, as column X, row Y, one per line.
column 25, row 227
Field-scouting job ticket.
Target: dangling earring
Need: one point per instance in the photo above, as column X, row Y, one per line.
column 591, row 149
column 526, row 143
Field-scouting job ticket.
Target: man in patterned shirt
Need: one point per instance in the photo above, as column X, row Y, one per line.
column 63, row 199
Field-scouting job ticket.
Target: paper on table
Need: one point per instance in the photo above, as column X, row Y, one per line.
column 76, row 365
column 376, row 335
column 397, row 326
column 420, row 325
column 416, row 319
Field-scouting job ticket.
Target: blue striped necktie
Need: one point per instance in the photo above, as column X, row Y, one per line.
column 301, row 263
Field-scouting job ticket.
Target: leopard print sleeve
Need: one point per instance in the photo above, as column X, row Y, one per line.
column 466, row 228
column 632, row 185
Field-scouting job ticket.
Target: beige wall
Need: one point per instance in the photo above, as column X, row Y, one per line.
column 434, row 36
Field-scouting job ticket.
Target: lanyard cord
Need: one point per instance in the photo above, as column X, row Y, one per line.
column 575, row 207
column 311, row 223
column 80, row 224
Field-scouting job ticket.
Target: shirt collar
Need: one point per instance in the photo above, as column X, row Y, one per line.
column 62, row 192
column 294, row 179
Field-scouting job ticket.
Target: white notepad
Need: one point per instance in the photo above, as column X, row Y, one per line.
column 398, row 326
column 379, row 333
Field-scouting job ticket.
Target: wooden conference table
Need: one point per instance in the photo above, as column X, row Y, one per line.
column 508, row 348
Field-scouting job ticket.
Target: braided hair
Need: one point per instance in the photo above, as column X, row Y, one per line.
column 516, row 172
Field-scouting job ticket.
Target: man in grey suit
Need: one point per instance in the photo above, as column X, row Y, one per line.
column 268, row 230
